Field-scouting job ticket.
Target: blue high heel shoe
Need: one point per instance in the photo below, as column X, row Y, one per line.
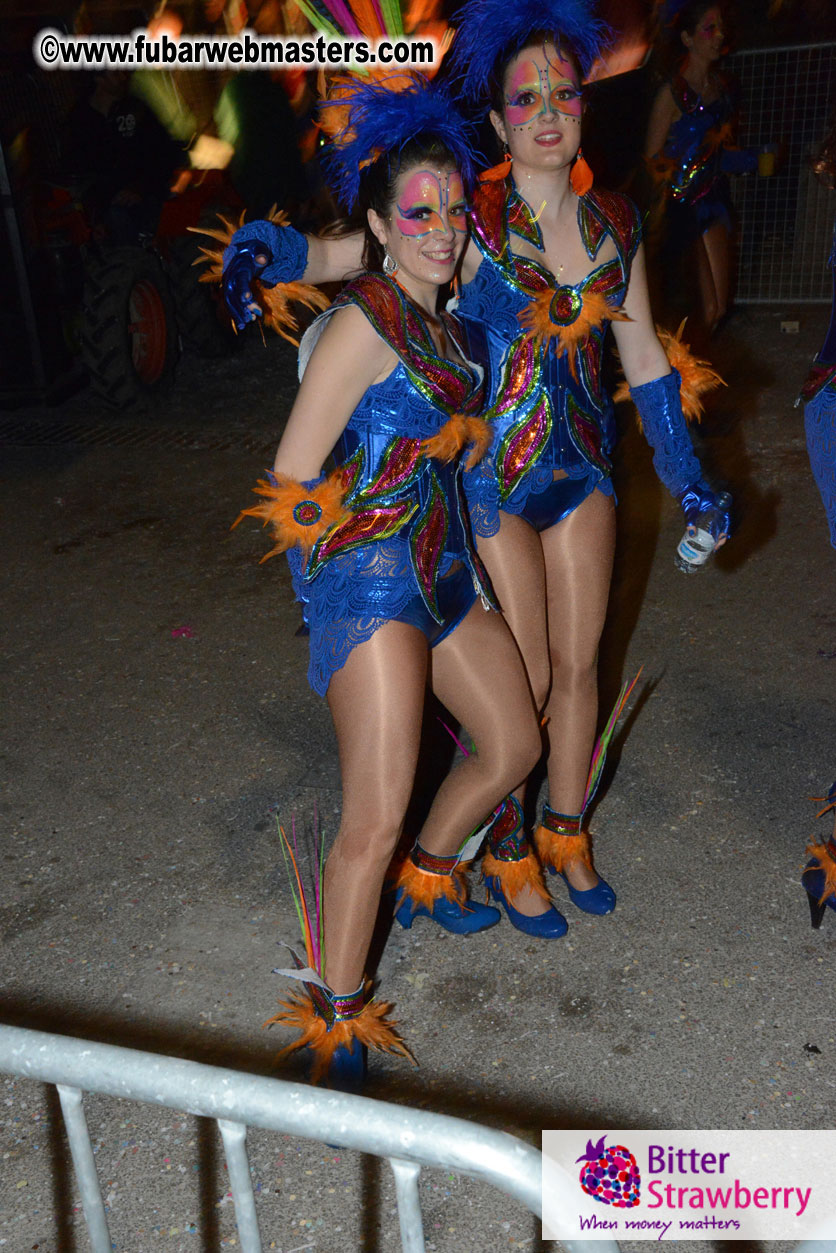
column 597, row 900
column 462, row 919
column 550, row 925
column 509, row 866
column 427, row 886
column 560, row 839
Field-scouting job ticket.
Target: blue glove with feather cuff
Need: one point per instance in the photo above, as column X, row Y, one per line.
column 260, row 250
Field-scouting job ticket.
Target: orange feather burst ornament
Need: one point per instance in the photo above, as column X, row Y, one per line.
column 275, row 301
column 457, row 432
column 565, row 318
column 698, row 377
column 297, row 514
column 369, row 1027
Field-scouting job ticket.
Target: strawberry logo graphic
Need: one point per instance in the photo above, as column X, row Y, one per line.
column 610, row 1175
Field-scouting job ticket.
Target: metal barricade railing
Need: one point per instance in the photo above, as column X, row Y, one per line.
column 407, row 1138
column 785, row 219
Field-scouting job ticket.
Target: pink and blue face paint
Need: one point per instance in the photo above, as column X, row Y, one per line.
column 430, row 201
column 537, row 86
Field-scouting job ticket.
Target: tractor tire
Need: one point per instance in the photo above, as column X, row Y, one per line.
column 203, row 319
column 129, row 341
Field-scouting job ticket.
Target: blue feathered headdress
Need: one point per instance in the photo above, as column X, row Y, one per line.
column 490, row 32
column 370, row 120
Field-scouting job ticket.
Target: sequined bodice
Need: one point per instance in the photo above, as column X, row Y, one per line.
column 547, row 416
column 395, row 491
column 695, row 141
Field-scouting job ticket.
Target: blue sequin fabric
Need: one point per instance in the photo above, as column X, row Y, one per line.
column 546, row 418
column 407, row 536
column 660, row 409
column 695, row 146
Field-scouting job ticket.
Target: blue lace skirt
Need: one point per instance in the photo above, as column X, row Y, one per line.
column 357, row 593
column 541, row 499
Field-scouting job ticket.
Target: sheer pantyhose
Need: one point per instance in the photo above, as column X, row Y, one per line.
column 574, row 559
column 713, row 273
column 376, row 701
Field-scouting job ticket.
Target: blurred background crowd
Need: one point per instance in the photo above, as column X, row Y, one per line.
column 105, row 172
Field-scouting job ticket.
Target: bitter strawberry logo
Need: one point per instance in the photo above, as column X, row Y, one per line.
column 610, row 1175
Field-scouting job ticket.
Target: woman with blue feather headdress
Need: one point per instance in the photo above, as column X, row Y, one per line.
column 551, row 262
column 383, row 563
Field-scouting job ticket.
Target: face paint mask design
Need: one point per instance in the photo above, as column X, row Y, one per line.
column 537, row 87
column 431, row 201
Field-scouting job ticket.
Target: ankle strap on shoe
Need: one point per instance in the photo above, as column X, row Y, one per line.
column 561, row 824
column 332, row 1008
column 432, row 863
column 505, row 837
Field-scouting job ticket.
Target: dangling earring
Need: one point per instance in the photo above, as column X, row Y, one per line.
column 581, row 177
column 390, row 266
column 497, row 172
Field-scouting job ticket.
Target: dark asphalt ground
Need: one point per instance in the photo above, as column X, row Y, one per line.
column 157, row 722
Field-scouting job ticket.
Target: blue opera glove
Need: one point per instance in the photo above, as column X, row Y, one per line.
column 272, row 254
column 674, row 460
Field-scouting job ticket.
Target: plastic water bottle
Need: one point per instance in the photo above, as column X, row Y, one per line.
column 693, row 551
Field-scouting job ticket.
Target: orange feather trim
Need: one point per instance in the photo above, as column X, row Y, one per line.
column 369, row 1028
column 280, row 506
column 559, row 850
column 275, row 301
column 514, row 876
column 595, row 311
column 424, row 888
column 698, row 376
column 497, row 173
column 457, row 432
column 824, row 857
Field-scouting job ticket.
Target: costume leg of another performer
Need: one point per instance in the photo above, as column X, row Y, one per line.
column 819, row 878
column 713, row 273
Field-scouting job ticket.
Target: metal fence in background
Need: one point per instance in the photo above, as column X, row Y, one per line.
column 785, row 220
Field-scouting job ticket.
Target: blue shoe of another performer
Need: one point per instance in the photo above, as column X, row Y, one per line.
column 462, row 919
column 550, row 925
column 597, row 900
column 819, row 879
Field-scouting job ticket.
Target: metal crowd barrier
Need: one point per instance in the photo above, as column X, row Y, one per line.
column 785, row 215
column 407, row 1138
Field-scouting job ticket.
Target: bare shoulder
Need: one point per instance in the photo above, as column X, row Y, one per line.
column 350, row 343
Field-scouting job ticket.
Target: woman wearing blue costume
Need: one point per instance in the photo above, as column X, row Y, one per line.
column 382, row 561
column 689, row 144
column 819, row 397
column 550, row 263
